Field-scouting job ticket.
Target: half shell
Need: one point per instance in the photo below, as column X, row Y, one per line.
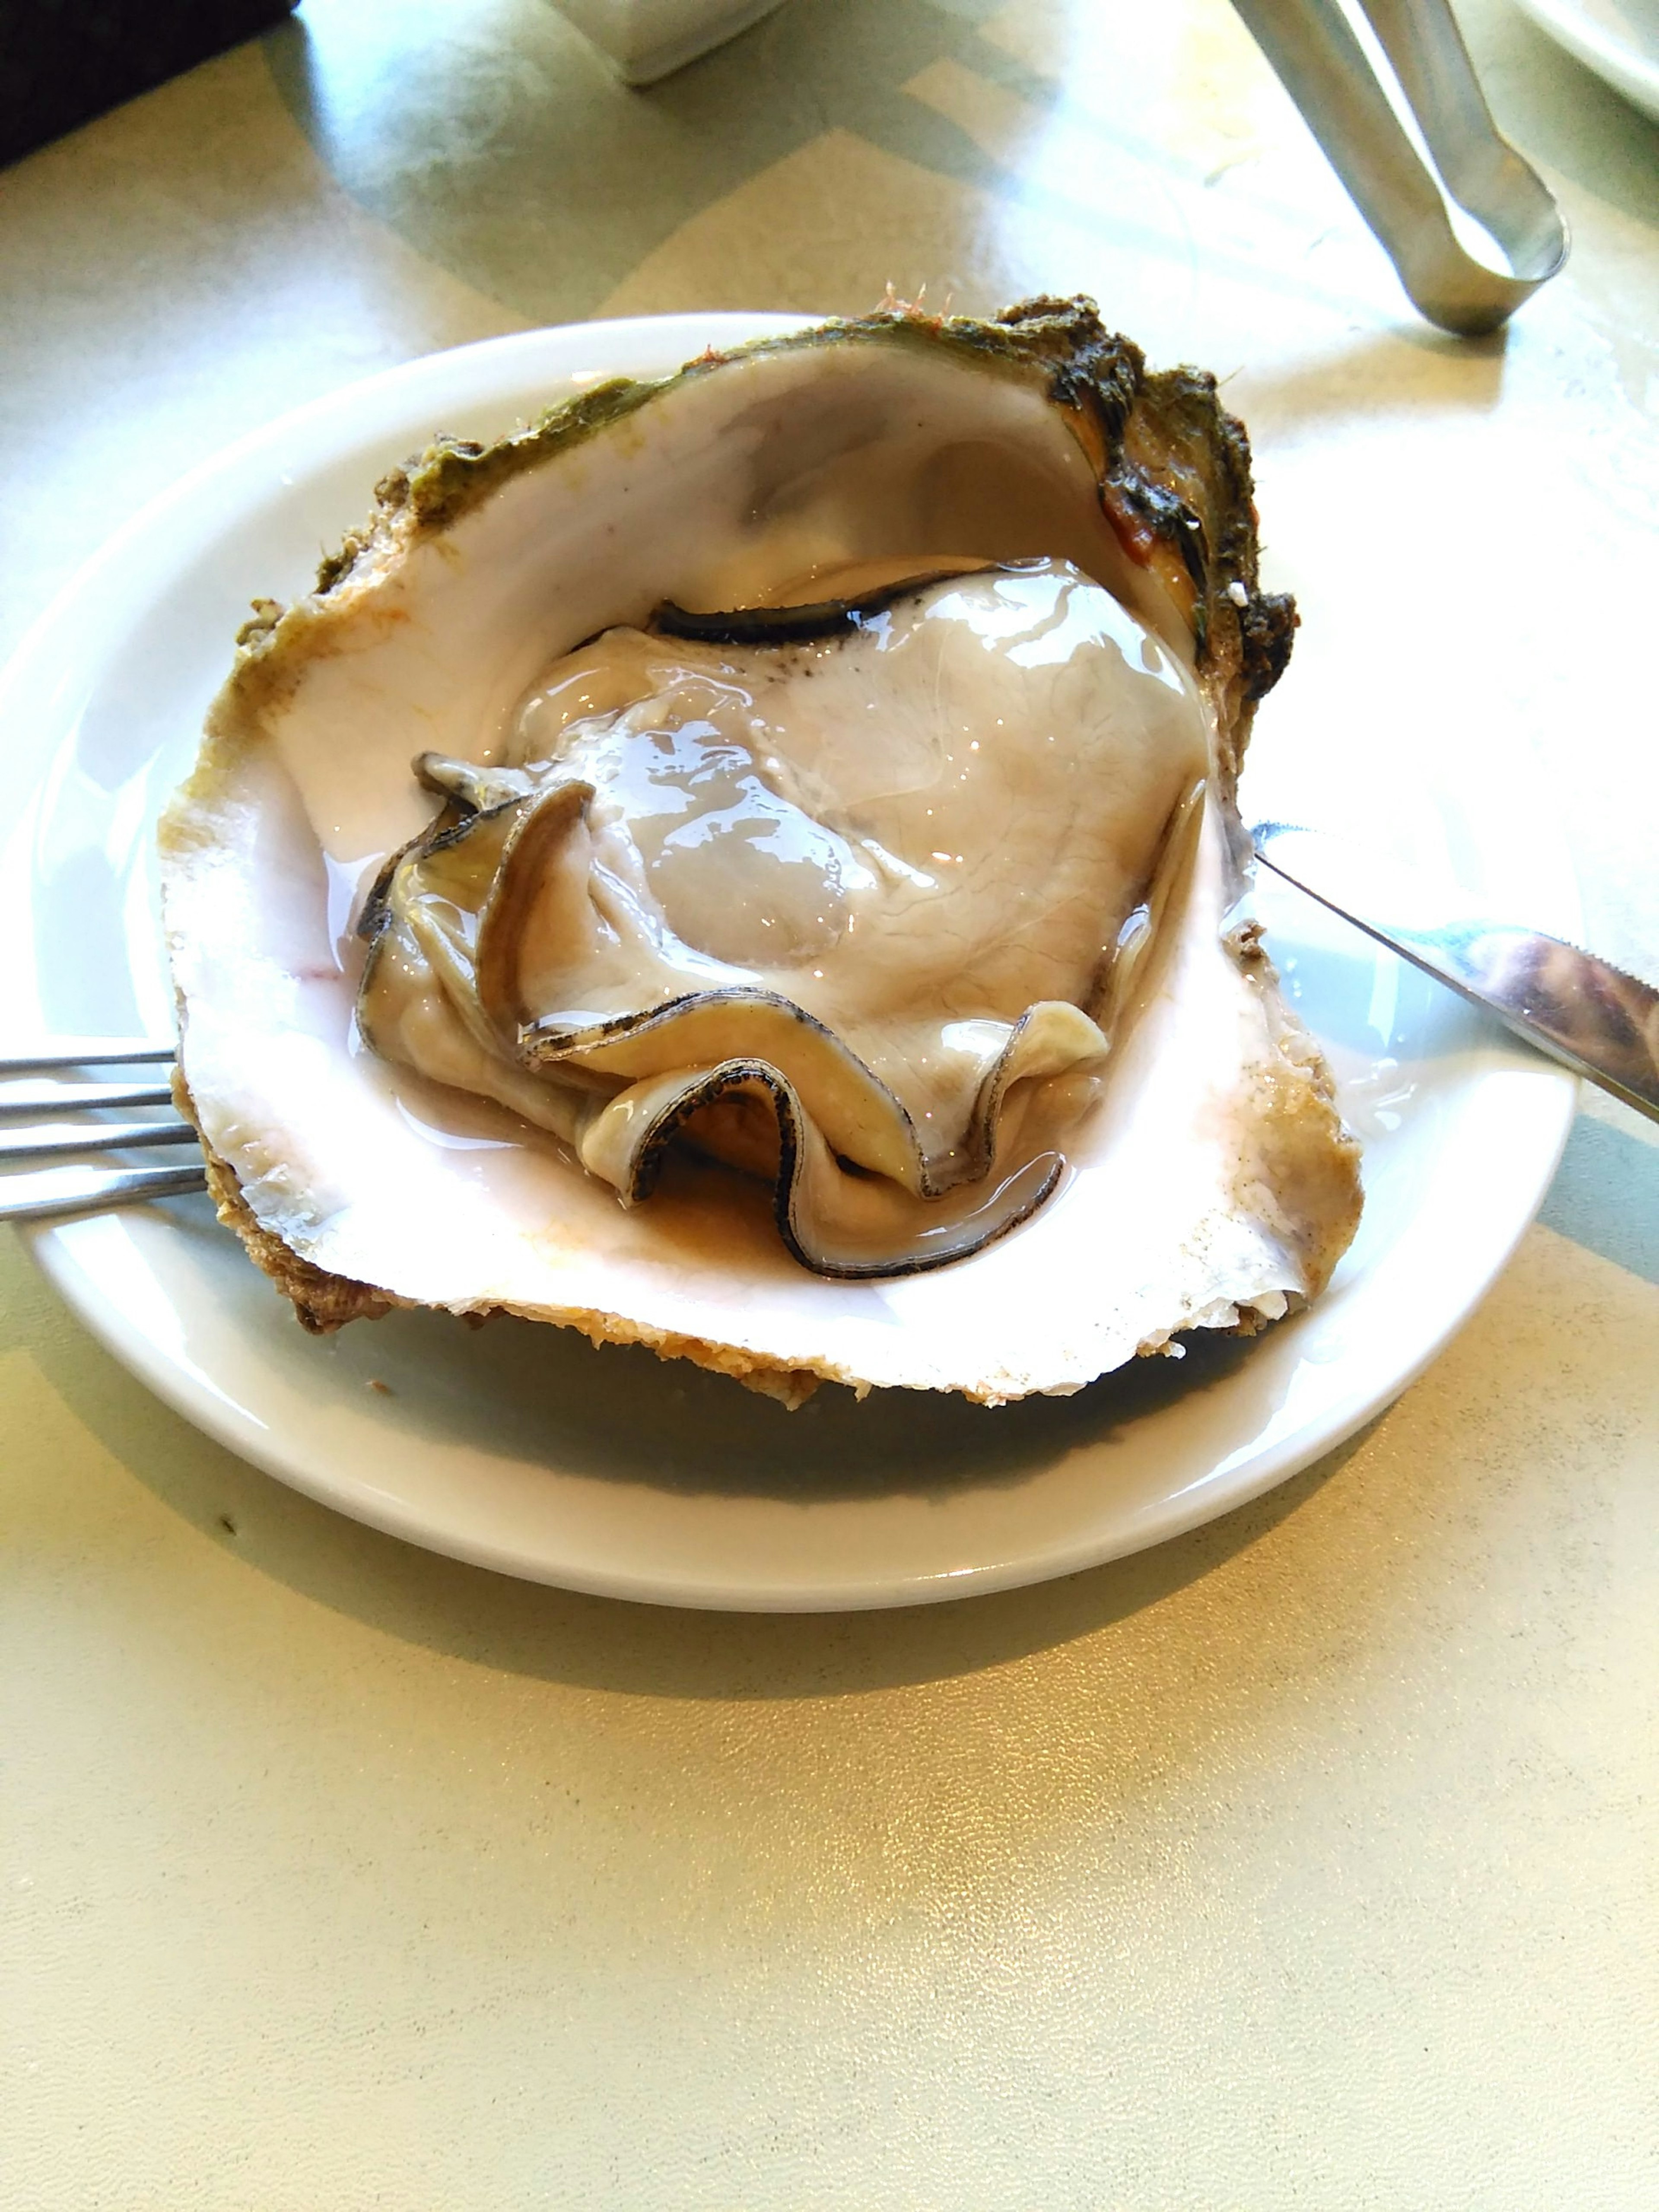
column 1212, row 1185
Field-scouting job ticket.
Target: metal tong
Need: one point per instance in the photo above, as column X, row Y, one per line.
column 1320, row 60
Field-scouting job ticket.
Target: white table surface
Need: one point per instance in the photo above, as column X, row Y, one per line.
column 1305, row 1861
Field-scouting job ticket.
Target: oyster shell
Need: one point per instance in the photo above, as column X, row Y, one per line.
column 1163, row 1124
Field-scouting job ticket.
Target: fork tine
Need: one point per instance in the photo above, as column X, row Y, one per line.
column 76, row 1190
column 70, row 1098
column 85, row 1051
column 40, row 1142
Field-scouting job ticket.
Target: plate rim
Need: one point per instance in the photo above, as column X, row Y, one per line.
column 1630, row 71
column 237, row 1429
column 239, row 1434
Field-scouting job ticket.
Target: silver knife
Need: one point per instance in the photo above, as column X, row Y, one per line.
column 1581, row 1011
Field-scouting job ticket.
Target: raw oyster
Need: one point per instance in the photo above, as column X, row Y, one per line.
column 705, row 896
column 690, row 935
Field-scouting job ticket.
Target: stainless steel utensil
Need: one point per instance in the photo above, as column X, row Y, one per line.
column 1318, row 56
column 77, row 1190
column 1580, row 1010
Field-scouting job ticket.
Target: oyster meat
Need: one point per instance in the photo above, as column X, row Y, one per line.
column 710, row 867
column 704, row 881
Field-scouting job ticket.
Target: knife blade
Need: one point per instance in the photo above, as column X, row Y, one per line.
column 1580, row 1010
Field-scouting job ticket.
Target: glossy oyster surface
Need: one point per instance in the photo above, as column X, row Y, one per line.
column 709, row 868
column 838, row 897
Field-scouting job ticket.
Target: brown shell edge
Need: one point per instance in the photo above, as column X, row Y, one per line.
column 323, row 1302
column 1174, row 468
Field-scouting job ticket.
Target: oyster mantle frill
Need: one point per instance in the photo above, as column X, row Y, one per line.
column 676, row 908
column 840, row 897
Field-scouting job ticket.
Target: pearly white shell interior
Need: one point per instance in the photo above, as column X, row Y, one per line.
column 1176, row 1211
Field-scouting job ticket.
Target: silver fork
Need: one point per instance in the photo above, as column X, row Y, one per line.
column 78, row 1188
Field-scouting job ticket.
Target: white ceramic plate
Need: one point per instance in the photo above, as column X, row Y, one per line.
column 1617, row 39
column 522, row 1448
